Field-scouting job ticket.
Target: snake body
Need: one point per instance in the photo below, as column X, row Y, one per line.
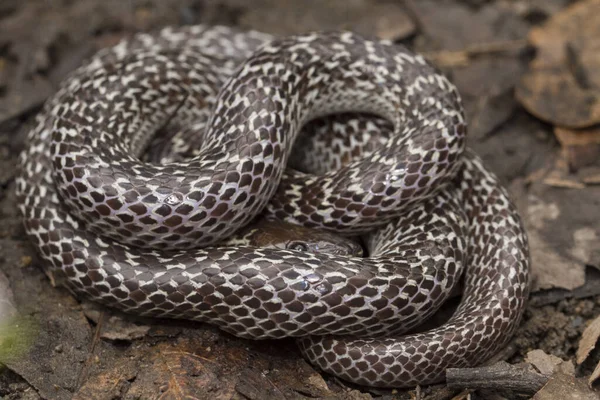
column 127, row 233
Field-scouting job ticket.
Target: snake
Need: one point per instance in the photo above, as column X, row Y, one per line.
column 385, row 136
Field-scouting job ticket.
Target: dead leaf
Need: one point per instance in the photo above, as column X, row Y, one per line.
column 548, row 364
column 108, row 384
column 585, row 245
column 460, row 58
column 562, row 83
column 581, row 147
column 456, row 26
column 114, row 324
column 534, row 10
column 393, row 23
column 590, row 175
column 491, row 112
column 386, row 20
column 24, row 96
column 34, row 61
column 252, row 384
column 549, row 268
column 562, row 386
column 117, row 328
column 588, row 341
column 594, row 376
column 200, row 364
column 180, row 370
column 560, row 176
column 187, row 376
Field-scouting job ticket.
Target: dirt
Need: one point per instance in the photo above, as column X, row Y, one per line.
column 67, row 348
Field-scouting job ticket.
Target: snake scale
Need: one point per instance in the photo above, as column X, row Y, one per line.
column 142, row 237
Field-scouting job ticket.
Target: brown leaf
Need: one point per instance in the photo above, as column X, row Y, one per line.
column 595, row 375
column 590, row 175
column 577, row 165
column 548, row 364
column 588, row 341
column 181, row 370
column 455, row 26
column 188, row 376
column 549, row 267
column 562, row 84
column 581, row 147
column 23, row 96
column 117, row 328
column 200, row 364
column 563, row 231
column 108, row 384
column 562, row 386
column 34, row 61
column 560, row 176
column 392, row 23
column 386, row 20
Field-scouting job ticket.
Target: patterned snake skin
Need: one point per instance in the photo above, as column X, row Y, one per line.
column 133, row 235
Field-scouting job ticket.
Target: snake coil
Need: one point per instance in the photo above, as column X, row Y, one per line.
column 127, row 233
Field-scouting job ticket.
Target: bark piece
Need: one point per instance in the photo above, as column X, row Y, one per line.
column 500, row 376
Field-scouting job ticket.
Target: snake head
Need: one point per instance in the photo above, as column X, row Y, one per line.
column 335, row 245
column 282, row 235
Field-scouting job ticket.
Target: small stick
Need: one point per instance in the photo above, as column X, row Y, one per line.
column 462, row 57
column 501, row 376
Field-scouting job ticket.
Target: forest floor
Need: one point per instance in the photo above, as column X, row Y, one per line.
column 529, row 75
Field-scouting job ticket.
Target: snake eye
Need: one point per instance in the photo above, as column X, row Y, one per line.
column 297, row 246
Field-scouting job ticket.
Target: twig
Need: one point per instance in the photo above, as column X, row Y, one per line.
column 521, row 378
column 462, row 57
column 83, row 373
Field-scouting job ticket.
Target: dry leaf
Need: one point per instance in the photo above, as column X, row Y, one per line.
column 585, row 245
column 562, row 386
column 182, row 370
column 548, row 364
column 590, row 175
column 108, row 384
column 595, row 375
column 560, row 176
column 115, row 325
column 393, row 23
column 117, row 328
column 549, row 268
column 562, row 84
column 588, row 341
column 386, row 20
column 581, row 147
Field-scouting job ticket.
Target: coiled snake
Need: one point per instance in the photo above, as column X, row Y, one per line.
column 126, row 233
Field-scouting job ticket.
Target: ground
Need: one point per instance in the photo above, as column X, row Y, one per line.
column 530, row 83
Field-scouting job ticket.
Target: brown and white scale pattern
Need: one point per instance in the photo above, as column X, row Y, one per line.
column 126, row 233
